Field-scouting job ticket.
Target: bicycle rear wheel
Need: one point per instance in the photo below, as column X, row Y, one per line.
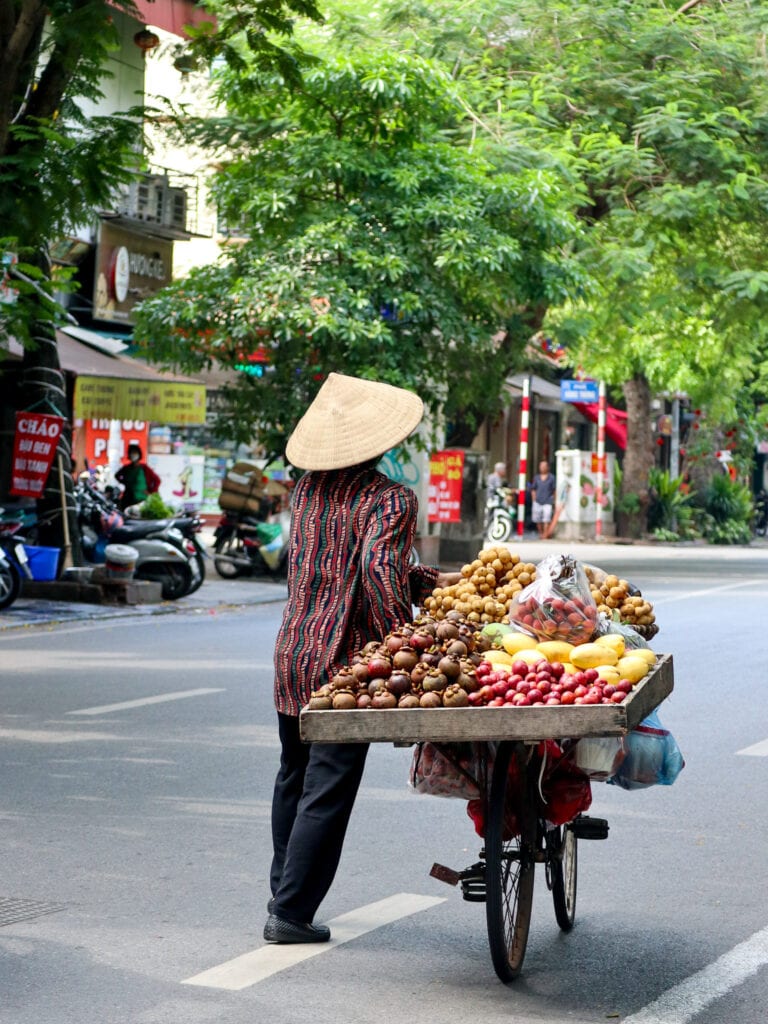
column 562, row 849
column 510, row 863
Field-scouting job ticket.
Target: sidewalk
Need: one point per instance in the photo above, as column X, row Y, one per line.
column 214, row 595
column 217, row 594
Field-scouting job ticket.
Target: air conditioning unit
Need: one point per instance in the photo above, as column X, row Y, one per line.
column 175, row 208
column 145, row 199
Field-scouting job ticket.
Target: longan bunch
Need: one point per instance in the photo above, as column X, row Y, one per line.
column 486, row 588
column 614, row 594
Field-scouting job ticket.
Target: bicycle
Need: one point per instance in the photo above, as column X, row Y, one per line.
column 503, row 878
column 509, row 738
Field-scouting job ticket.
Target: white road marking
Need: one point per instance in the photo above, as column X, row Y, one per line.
column 259, row 964
column 161, row 698
column 756, row 750
column 688, row 594
column 690, row 997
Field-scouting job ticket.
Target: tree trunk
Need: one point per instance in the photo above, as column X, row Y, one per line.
column 639, row 457
column 43, row 390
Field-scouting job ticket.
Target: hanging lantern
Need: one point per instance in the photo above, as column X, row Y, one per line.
column 146, row 40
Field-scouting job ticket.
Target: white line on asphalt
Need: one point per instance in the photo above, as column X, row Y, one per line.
column 161, row 698
column 688, row 594
column 756, row 750
column 690, row 997
column 262, row 963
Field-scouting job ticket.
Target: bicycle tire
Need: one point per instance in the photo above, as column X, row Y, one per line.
column 510, row 865
column 562, row 862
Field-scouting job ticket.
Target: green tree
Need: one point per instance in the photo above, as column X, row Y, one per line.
column 376, row 245
column 57, row 166
column 657, row 116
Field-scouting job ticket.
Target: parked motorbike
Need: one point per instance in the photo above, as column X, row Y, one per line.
column 247, row 545
column 169, row 550
column 14, row 564
column 501, row 514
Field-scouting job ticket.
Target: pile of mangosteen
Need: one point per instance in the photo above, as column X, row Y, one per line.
column 424, row 664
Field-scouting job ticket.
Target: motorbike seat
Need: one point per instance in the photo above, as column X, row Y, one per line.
column 137, row 528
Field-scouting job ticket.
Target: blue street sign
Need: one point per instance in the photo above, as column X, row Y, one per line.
column 579, row 391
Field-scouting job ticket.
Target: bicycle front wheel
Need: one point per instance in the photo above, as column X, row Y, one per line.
column 562, row 862
column 510, row 861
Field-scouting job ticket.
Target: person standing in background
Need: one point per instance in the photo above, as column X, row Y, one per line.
column 137, row 479
column 543, row 499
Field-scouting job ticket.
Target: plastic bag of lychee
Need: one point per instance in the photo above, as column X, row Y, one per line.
column 558, row 605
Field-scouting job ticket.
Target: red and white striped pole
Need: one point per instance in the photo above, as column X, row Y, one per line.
column 523, row 467
column 600, row 475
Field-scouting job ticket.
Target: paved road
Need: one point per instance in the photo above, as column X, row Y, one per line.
column 136, row 758
column 218, row 595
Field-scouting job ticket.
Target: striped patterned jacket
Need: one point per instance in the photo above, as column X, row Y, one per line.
column 349, row 580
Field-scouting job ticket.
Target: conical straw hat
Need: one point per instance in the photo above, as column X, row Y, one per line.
column 350, row 421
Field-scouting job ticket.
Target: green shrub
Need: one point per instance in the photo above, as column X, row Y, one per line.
column 667, row 500
column 729, row 511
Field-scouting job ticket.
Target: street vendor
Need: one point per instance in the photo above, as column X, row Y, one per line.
column 349, row 582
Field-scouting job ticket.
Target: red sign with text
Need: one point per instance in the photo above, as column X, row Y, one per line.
column 446, row 474
column 34, row 446
column 97, row 439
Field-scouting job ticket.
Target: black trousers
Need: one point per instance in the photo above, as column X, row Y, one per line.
column 315, row 790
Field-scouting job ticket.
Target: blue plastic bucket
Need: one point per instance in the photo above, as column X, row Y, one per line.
column 43, row 562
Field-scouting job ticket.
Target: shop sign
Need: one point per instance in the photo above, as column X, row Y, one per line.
column 129, row 268
column 586, row 391
column 446, row 475
column 97, row 434
column 155, row 401
column 34, row 445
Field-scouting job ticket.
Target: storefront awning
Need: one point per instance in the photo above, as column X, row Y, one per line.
column 615, row 421
column 172, row 15
column 118, row 388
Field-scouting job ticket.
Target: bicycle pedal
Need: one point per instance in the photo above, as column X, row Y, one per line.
column 585, row 827
column 473, row 890
column 444, row 874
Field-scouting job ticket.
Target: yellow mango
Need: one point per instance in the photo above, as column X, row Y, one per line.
column 514, row 642
column 555, row 650
column 633, row 668
column 530, row 657
column 613, row 640
column 593, row 655
column 645, row 653
column 569, row 668
column 498, row 658
column 608, row 673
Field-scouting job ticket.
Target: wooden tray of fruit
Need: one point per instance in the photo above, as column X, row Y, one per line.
column 450, row 725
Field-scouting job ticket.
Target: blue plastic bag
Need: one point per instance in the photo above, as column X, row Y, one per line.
column 653, row 757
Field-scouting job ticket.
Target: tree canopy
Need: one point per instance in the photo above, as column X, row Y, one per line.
column 635, row 131
column 374, row 244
